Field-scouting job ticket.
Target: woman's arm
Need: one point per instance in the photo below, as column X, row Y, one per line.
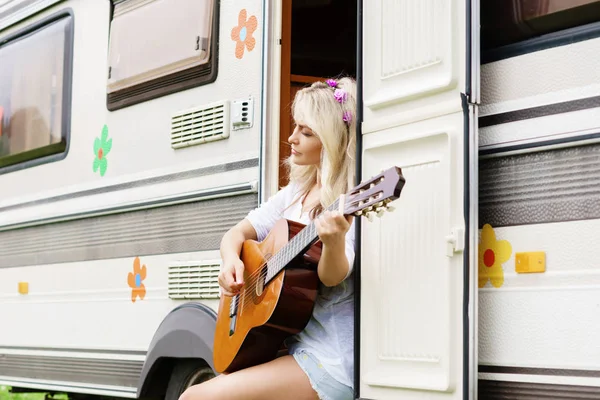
column 231, row 277
column 333, row 264
column 255, row 226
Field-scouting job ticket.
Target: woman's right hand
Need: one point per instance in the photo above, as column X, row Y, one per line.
column 231, row 277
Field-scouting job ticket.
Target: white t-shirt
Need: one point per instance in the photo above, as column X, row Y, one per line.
column 329, row 335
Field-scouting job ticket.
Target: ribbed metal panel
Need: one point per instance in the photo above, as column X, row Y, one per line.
column 500, row 390
column 548, row 186
column 14, row 11
column 96, row 371
column 178, row 228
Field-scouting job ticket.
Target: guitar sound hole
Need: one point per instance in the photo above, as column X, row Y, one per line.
column 260, row 282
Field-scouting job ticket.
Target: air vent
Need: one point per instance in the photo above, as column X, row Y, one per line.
column 200, row 125
column 194, row 280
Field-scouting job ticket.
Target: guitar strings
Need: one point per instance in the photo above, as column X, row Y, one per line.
column 248, row 292
column 276, row 259
column 252, row 278
column 282, row 253
column 309, row 229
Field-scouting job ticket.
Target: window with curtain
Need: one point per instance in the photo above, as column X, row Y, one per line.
column 34, row 89
column 158, row 47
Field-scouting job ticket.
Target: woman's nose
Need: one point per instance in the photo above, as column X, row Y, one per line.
column 293, row 138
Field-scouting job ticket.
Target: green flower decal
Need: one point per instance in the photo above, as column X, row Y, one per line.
column 102, row 146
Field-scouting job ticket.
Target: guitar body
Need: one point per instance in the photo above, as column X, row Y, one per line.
column 267, row 315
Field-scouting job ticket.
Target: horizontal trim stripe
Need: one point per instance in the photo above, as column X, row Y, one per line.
column 541, row 144
column 201, row 195
column 502, row 390
column 583, row 373
column 540, row 111
column 72, row 350
column 211, row 170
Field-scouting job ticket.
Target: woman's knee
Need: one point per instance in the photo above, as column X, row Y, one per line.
column 187, row 394
column 196, row 392
column 207, row 390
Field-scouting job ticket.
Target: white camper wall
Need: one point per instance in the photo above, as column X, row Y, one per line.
column 538, row 192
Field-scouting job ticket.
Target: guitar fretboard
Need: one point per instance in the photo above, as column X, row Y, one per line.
column 298, row 245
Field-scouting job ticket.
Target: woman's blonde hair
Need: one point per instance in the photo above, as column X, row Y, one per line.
column 329, row 110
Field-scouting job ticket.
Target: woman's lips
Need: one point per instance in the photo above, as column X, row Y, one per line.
column 294, row 152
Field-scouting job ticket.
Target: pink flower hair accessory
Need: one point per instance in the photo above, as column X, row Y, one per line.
column 347, row 117
column 340, row 95
column 331, row 83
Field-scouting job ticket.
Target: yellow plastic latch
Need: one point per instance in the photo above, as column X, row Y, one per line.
column 533, row 261
column 23, row 287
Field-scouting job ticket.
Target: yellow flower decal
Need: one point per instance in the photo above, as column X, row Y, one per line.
column 492, row 254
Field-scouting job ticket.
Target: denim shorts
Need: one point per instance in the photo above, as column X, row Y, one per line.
column 326, row 387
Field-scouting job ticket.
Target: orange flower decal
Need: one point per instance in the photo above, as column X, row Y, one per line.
column 242, row 34
column 492, row 254
column 135, row 279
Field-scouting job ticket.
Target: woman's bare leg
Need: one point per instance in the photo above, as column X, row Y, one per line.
column 279, row 379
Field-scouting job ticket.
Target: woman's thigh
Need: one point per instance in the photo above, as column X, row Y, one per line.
column 279, row 379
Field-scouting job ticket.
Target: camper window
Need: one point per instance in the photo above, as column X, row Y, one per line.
column 160, row 47
column 34, row 88
column 506, row 27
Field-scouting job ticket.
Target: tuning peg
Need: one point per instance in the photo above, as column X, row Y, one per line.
column 380, row 211
column 369, row 215
column 358, row 213
column 390, row 208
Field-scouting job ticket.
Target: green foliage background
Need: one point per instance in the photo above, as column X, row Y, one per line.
column 6, row 395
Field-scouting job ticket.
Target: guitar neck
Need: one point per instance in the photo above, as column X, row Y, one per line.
column 298, row 245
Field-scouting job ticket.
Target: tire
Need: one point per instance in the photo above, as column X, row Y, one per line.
column 187, row 373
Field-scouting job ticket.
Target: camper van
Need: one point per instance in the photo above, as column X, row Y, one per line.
column 135, row 133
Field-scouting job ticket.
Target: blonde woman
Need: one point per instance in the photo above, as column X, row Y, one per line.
column 321, row 166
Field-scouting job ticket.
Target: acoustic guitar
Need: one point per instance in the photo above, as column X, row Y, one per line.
column 281, row 280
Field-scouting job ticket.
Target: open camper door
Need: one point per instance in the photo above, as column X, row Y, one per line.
column 420, row 78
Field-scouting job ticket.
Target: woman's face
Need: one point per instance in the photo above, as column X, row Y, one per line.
column 306, row 146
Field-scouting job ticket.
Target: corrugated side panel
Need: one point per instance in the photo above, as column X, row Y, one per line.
column 547, row 186
column 178, row 228
column 69, row 369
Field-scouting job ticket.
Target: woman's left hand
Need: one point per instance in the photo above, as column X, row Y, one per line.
column 332, row 227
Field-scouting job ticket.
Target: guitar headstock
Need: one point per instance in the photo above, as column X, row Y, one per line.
column 372, row 197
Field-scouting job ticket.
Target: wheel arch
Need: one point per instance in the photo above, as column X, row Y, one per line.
column 186, row 332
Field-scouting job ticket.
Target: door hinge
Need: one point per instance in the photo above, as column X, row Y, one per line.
column 455, row 241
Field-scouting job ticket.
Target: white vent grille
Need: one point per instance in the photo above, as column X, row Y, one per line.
column 194, row 280
column 200, row 125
